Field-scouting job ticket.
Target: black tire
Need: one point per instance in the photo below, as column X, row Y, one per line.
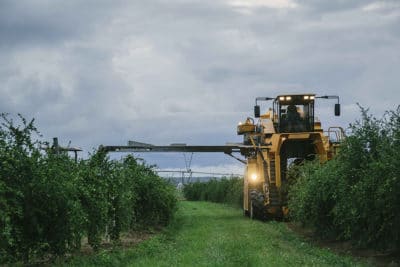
column 251, row 212
column 257, row 209
column 246, row 213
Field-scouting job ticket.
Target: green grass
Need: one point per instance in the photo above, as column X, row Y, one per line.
column 208, row 234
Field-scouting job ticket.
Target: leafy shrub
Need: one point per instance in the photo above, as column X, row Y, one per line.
column 355, row 196
column 312, row 197
column 155, row 197
column 38, row 205
column 48, row 202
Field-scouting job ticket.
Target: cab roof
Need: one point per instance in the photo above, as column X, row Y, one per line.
column 295, row 98
column 295, row 95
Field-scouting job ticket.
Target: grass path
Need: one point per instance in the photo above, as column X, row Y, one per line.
column 207, row 234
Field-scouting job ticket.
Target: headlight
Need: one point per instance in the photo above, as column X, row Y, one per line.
column 312, row 97
column 306, row 97
column 288, row 98
column 281, row 98
column 254, row 177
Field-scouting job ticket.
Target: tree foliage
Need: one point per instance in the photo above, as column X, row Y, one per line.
column 48, row 202
column 356, row 195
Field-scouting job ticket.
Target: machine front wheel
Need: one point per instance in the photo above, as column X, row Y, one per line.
column 251, row 212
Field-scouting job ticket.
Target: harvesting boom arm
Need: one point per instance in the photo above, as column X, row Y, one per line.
column 134, row 146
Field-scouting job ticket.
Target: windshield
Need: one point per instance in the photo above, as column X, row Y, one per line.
column 296, row 118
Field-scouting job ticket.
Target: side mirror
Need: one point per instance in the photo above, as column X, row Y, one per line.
column 337, row 109
column 257, row 111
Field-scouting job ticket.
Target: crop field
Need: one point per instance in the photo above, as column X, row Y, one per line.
column 51, row 205
column 209, row 234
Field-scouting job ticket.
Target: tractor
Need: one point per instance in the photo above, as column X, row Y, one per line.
column 288, row 133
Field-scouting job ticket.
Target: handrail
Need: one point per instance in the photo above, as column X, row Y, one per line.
column 338, row 132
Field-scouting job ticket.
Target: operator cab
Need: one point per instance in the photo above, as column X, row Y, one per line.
column 294, row 113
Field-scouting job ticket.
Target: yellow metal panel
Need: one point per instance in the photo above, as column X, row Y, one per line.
column 246, row 191
column 278, row 170
column 245, row 128
column 299, row 136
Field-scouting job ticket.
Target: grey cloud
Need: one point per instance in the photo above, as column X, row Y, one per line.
column 46, row 22
column 102, row 72
column 321, row 6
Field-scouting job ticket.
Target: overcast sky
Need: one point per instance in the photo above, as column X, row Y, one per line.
column 167, row 71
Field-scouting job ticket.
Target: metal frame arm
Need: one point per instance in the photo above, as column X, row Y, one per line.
column 329, row 97
column 261, row 98
column 142, row 147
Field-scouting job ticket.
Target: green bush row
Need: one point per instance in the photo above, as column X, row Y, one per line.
column 224, row 190
column 48, row 203
column 356, row 196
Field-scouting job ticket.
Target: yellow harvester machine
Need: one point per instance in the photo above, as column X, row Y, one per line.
column 287, row 133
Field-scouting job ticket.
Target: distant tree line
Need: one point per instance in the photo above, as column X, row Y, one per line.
column 224, row 190
column 48, row 203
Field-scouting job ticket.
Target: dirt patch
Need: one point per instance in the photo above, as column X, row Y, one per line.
column 127, row 240
column 377, row 258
